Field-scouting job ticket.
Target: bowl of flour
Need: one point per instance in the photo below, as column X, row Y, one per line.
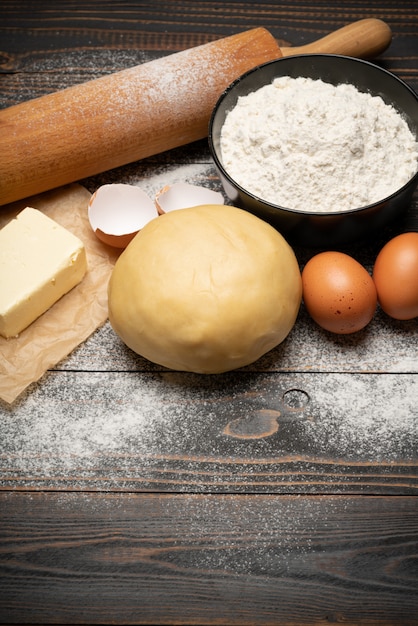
column 324, row 147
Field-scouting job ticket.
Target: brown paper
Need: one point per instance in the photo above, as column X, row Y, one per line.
column 50, row 338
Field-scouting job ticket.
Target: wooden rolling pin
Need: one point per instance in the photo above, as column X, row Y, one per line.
column 138, row 112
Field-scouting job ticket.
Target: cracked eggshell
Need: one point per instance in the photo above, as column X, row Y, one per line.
column 117, row 212
column 184, row 196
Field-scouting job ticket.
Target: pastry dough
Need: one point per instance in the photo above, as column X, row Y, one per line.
column 205, row 289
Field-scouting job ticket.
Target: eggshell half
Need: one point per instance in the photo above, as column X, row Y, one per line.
column 184, row 196
column 117, row 212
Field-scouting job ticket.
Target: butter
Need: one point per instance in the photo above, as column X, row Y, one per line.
column 40, row 261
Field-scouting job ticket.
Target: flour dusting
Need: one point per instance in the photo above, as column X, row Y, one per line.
column 192, row 173
column 131, row 431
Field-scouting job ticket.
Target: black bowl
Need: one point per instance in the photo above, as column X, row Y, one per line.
column 314, row 228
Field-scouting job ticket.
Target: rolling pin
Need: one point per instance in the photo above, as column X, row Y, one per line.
column 135, row 113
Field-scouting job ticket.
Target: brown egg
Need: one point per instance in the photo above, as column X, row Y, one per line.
column 395, row 275
column 338, row 292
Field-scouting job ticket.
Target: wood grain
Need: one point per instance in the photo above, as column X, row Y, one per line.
column 67, row 558
column 97, row 40
column 243, row 432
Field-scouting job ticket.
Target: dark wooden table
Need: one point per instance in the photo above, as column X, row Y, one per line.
column 283, row 493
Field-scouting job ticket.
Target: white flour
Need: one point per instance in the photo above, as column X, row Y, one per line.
column 307, row 145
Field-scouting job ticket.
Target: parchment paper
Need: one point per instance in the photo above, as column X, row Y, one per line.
column 24, row 359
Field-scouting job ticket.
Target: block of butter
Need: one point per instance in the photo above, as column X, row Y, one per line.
column 40, row 261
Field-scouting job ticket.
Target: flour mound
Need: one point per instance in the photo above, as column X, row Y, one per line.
column 309, row 145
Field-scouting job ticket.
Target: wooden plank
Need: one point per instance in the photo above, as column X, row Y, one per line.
column 84, row 558
column 84, row 46
column 250, row 432
column 172, row 23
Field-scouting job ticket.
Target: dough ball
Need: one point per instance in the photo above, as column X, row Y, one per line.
column 205, row 289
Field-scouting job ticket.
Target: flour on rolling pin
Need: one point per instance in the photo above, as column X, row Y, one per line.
column 122, row 117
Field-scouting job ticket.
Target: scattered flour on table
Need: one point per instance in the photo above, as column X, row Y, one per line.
column 308, row 145
column 191, row 173
column 373, row 417
column 132, row 430
column 152, row 177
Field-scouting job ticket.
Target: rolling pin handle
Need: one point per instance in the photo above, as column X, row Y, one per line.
column 363, row 39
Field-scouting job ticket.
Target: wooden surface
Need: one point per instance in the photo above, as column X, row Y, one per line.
column 283, row 493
